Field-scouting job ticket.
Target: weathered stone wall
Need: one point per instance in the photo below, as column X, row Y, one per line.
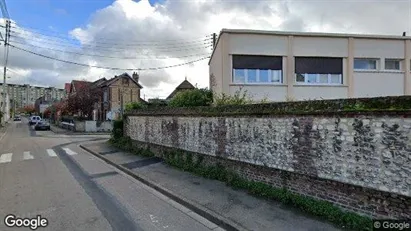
column 359, row 163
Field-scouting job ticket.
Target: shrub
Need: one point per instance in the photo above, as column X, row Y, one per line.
column 240, row 97
column 117, row 132
column 157, row 103
column 134, row 106
column 192, row 98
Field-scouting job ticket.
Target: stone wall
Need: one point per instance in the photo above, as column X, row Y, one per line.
column 361, row 163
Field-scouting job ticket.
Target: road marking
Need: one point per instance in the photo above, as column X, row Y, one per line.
column 5, row 157
column 51, row 152
column 28, row 156
column 69, row 151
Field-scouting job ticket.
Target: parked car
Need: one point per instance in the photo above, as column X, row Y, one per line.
column 34, row 120
column 17, row 118
column 42, row 125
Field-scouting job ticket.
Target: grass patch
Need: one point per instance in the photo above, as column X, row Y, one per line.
column 323, row 209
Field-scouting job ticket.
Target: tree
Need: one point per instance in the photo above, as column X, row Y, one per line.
column 47, row 113
column 134, row 105
column 192, row 98
column 29, row 109
column 83, row 100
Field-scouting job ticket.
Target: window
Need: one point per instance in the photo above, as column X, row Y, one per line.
column 392, row 64
column 105, row 94
column 253, row 69
column 125, row 81
column 318, row 70
column 365, row 64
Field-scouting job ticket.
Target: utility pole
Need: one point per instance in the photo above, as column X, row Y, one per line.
column 6, row 56
column 214, row 40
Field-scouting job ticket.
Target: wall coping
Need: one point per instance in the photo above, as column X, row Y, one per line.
column 378, row 106
column 347, row 113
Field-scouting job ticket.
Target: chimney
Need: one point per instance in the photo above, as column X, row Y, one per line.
column 135, row 76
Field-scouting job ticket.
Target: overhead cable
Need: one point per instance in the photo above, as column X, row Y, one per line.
column 106, row 56
column 108, row 68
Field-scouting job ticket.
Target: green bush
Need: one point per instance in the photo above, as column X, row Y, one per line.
column 157, row 103
column 192, row 98
column 239, row 98
column 134, row 106
column 384, row 105
column 117, row 131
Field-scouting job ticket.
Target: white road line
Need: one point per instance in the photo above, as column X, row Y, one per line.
column 27, row 156
column 5, row 157
column 51, row 152
column 69, row 151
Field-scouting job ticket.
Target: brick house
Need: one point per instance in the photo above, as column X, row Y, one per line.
column 121, row 89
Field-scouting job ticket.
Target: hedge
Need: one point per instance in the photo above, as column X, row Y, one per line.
column 399, row 104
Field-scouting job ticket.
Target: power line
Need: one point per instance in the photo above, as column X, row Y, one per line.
column 186, row 42
column 109, row 68
column 171, row 49
column 107, row 39
column 105, row 56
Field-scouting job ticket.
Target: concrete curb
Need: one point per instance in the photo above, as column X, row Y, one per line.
column 195, row 207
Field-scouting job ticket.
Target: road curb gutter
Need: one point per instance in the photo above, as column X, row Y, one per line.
column 195, row 207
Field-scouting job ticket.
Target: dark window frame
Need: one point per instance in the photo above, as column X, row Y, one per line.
column 313, row 70
column 257, row 64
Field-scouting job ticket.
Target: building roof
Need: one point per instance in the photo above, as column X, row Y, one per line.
column 185, row 85
column 306, row 34
column 112, row 80
column 100, row 81
column 77, row 84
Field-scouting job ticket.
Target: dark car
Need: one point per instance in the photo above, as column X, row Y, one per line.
column 42, row 125
column 17, row 118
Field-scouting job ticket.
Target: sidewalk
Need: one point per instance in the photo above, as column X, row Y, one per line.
column 210, row 198
column 3, row 130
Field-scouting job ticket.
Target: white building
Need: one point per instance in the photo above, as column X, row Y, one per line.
column 298, row 66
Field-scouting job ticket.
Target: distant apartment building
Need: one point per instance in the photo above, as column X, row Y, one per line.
column 24, row 94
column 301, row 66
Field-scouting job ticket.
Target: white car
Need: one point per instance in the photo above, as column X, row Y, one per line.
column 34, row 120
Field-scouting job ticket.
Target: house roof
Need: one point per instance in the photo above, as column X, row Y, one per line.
column 305, row 34
column 100, row 81
column 185, row 85
column 112, row 80
column 77, row 84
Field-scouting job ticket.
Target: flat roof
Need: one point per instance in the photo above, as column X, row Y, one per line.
column 307, row 34
column 313, row 34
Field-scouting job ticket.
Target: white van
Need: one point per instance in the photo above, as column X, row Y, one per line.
column 34, row 120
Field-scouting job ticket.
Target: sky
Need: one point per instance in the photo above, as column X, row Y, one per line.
column 153, row 34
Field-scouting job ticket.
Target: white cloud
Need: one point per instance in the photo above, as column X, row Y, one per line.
column 112, row 30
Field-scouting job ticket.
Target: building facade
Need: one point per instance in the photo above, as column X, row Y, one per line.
column 282, row 66
column 115, row 94
column 24, row 94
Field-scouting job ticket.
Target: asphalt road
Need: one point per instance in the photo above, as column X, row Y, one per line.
column 46, row 174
